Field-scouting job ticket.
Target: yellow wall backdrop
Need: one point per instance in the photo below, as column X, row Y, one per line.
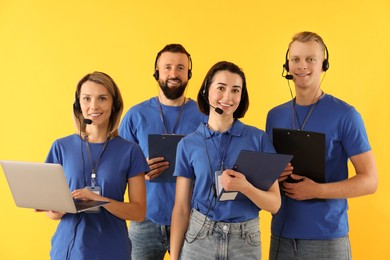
column 47, row 46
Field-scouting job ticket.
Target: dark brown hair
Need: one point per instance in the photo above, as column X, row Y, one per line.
column 203, row 93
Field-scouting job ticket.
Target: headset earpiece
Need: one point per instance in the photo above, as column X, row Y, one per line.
column 325, row 63
column 189, row 68
column 204, row 89
column 76, row 106
column 156, row 74
column 285, row 65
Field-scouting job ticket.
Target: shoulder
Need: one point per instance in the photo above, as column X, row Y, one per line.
column 336, row 101
column 281, row 107
column 256, row 133
column 338, row 105
column 195, row 135
column 248, row 129
column 192, row 106
column 142, row 106
column 119, row 141
column 191, row 103
column 67, row 139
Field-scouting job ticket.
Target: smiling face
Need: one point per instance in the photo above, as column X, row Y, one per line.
column 96, row 103
column 225, row 92
column 173, row 74
column 305, row 63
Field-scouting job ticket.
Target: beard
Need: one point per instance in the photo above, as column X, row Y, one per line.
column 173, row 93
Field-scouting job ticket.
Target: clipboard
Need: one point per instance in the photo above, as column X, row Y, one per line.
column 164, row 145
column 260, row 169
column 308, row 149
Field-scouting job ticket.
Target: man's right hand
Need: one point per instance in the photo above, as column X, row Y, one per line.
column 157, row 166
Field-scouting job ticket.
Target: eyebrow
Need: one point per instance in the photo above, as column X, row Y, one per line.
column 301, row 56
column 224, row 84
column 172, row 64
column 102, row 95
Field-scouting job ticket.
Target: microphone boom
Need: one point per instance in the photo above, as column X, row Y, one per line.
column 87, row 121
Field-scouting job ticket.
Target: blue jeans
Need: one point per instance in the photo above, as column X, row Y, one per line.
column 149, row 240
column 206, row 239
column 302, row 249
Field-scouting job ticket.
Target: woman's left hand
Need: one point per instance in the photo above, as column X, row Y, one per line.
column 233, row 181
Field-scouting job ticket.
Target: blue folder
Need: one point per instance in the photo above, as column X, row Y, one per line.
column 260, row 169
column 164, row 145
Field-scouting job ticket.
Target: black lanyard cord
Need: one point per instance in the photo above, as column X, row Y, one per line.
column 94, row 166
column 177, row 118
column 308, row 113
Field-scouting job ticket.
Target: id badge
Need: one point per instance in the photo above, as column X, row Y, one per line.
column 97, row 190
column 218, row 185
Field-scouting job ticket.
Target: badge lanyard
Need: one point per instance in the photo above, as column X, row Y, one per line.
column 307, row 116
column 223, row 155
column 94, row 167
column 177, row 118
column 295, row 114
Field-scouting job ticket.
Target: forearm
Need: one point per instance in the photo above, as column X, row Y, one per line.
column 358, row 185
column 126, row 210
column 266, row 200
column 179, row 226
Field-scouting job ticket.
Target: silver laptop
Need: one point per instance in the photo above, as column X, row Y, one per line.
column 43, row 186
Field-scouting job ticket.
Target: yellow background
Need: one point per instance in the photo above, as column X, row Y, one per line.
column 47, row 46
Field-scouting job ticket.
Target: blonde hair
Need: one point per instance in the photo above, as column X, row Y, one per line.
column 307, row 37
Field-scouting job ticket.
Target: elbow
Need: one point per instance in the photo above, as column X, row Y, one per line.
column 139, row 218
column 275, row 208
column 373, row 187
column 371, row 184
column 141, row 215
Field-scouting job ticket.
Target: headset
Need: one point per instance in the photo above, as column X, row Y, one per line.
column 325, row 63
column 156, row 73
column 204, row 94
column 76, row 105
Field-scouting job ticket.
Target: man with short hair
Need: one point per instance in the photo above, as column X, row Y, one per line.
column 168, row 113
column 313, row 222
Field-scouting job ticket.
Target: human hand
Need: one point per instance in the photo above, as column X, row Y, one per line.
column 55, row 215
column 303, row 189
column 286, row 173
column 233, row 181
column 157, row 166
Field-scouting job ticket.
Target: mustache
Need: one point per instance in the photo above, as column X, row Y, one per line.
column 173, row 79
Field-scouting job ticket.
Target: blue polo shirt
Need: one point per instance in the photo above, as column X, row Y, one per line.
column 201, row 153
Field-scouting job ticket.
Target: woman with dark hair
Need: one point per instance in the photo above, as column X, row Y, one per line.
column 99, row 165
column 215, row 229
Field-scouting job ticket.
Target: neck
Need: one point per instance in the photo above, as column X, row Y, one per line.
column 219, row 123
column 169, row 102
column 96, row 135
column 308, row 96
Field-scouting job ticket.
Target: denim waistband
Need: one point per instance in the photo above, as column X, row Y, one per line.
column 223, row 227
